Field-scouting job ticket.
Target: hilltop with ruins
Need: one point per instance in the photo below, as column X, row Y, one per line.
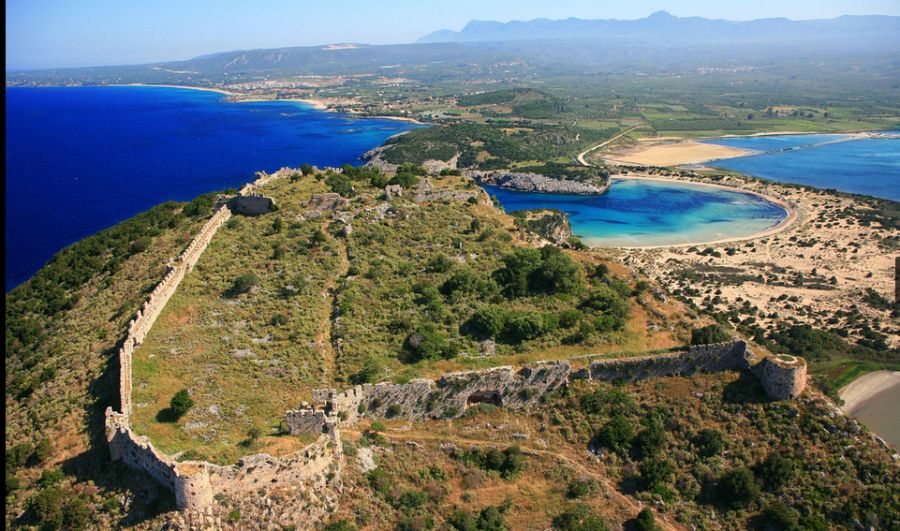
column 371, row 351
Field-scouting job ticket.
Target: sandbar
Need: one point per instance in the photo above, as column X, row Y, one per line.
column 668, row 153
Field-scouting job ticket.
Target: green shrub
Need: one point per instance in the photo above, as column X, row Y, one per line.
column 531, row 271
column 340, row 525
column 427, row 343
column 42, row 451
column 737, row 488
column 708, row 335
column 645, row 521
column 776, row 471
column 340, row 184
column 581, row 488
column 242, row 284
column 616, row 434
column 508, row 462
column 486, row 322
column 579, row 517
column 779, row 517
column 709, row 442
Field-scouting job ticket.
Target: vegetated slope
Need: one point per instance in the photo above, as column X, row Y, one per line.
column 708, row 451
column 411, row 288
column 62, row 331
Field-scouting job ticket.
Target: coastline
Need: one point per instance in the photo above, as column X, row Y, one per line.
column 665, row 152
column 865, row 387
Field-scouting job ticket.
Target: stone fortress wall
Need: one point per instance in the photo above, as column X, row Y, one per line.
column 318, row 465
column 195, row 483
column 450, row 395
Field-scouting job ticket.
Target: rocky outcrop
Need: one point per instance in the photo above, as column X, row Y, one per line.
column 552, row 225
column 533, row 182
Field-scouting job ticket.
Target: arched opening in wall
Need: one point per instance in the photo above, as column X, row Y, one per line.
column 484, row 397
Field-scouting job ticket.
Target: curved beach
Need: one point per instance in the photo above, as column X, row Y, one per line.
column 865, row 387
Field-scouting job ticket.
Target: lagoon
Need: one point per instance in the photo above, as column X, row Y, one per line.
column 867, row 165
column 81, row 159
column 643, row 212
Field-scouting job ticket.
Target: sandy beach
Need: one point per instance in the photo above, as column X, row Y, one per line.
column 829, row 272
column 207, row 89
column 667, row 153
column 858, row 391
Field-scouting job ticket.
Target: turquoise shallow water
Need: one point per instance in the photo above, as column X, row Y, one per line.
column 869, row 166
column 637, row 212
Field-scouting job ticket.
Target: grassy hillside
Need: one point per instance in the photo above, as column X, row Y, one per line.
column 413, row 290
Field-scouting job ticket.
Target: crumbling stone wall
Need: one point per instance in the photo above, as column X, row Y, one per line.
column 703, row 358
column 452, row 394
column 307, row 421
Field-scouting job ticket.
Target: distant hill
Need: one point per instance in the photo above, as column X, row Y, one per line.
column 542, row 48
column 666, row 29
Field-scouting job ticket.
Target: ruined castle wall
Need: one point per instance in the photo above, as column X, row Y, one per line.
column 254, row 472
column 703, row 359
column 307, row 421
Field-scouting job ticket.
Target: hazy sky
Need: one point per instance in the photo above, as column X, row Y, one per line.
column 55, row 33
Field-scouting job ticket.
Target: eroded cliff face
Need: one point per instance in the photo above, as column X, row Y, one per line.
column 533, row 182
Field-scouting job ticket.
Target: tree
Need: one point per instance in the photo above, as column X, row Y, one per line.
column 340, row 184
column 651, row 439
column 487, row 322
column 708, row 335
column 369, row 373
column 521, row 327
column 42, row 451
column 616, row 434
column 656, row 473
column 180, row 404
column 737, row 488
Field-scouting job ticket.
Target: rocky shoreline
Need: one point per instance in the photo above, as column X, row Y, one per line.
column 533, row 182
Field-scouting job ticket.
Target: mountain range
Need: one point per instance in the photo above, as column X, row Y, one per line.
column 664, row 28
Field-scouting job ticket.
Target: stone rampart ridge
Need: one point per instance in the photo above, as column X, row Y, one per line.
column 195, row 483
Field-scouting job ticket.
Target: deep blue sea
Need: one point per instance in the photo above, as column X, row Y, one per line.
column 81, row 159
column 869, row 166
column 635, row 212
